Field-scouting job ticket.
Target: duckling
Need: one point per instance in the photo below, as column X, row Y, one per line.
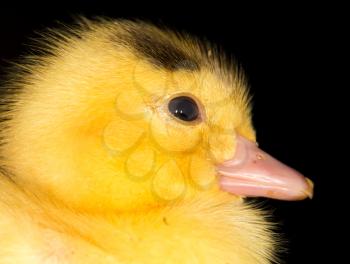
column 123, row 142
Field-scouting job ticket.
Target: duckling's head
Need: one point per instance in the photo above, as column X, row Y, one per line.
column 121, row 115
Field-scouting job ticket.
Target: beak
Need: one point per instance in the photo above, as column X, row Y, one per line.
column 252, row 172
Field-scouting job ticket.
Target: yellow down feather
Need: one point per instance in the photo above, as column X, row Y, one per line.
column 95, row 170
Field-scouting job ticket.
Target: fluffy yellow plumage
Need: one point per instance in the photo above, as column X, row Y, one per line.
column 96, row 170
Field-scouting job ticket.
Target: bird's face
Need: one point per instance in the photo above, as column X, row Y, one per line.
column 99, row 127
column 169, row 130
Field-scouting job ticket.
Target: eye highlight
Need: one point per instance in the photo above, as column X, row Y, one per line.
column 184, row 108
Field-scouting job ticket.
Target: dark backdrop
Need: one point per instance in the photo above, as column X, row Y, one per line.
column 284, row 52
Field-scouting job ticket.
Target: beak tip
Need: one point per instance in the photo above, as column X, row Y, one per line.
column 310, row 189
column 306, row 192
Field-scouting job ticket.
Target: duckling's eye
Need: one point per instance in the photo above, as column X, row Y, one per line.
column 184, row 108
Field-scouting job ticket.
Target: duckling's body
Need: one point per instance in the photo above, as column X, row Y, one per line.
column 96, row 170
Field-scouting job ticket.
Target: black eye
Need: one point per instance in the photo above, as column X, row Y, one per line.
column 184, row 108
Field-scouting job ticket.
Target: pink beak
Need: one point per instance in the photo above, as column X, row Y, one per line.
column 253, row 172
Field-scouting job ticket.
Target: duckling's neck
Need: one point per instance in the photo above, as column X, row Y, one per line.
column 212, row 229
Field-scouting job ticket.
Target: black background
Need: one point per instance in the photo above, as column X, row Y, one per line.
column 286, row 52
